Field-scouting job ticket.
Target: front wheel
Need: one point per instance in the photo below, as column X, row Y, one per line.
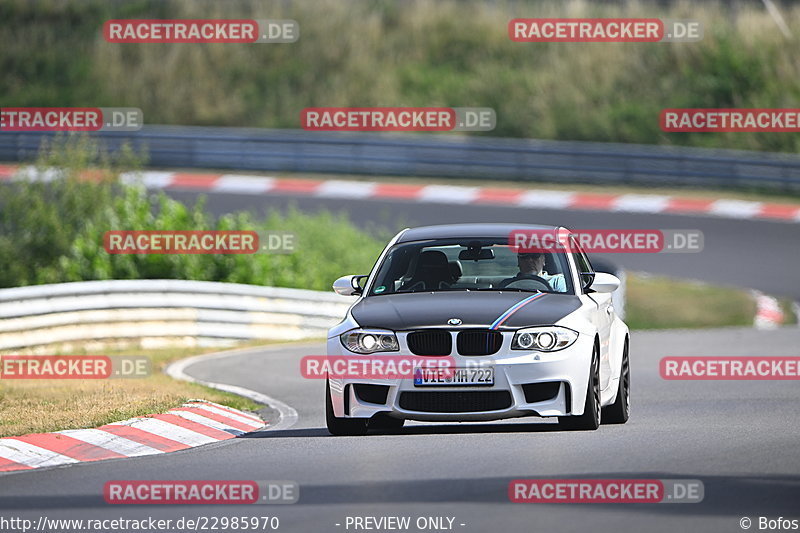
column 620, row 410
column 590, row 419
column 342, row 426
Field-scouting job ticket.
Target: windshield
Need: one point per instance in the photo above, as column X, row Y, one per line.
column 467, row 265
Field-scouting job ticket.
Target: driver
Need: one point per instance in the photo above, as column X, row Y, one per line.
column 532, row 264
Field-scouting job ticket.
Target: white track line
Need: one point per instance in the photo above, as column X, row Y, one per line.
column 110, row 442
column 254, row 419
column 640, row 203
column 150, row 179
column 169, row 431
column 31, row 455
column 448, row 194
column 226, row 414
column 346, row 189
column 545, row 199
column 208, row 422
column 237, row 183
column 735, row 208
column 177, row 370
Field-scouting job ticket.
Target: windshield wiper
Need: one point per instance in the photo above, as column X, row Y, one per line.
column 517, row 289
column 468, row 289
column 509, row 289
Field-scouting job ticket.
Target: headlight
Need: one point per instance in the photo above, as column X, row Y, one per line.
column 543, row 339
column 369, row 341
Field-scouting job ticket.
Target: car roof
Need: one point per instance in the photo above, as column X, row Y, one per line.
column 459, row 231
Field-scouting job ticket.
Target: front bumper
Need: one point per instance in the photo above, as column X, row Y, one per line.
column 514, row 372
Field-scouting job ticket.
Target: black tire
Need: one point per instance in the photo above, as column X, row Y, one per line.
column 342, row 426
column 620, row 410
column 590, row 419
column 384, row 421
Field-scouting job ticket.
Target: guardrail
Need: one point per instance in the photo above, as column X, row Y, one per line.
column 157, row 312
column 449, row 156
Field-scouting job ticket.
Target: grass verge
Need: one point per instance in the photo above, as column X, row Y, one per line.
column 658, row 302
column 34, row 406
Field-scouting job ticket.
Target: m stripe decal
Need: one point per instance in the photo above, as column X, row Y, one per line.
column 513, row 309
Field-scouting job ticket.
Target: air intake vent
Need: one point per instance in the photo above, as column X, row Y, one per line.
column 479, row 342
column 541, row 392
column 455, row 402
column 430, row 342
column 371, row 393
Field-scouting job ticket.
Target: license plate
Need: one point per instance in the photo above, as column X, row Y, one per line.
column 453, row 377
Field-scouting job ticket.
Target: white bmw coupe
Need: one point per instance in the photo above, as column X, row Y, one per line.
column 530, row 334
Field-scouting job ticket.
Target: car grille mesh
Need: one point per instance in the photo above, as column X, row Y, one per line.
column 455, row 402
column 430, row 342
column 479, row 342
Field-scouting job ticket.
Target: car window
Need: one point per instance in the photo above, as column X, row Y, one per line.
column 452, row 265
column 581, row 259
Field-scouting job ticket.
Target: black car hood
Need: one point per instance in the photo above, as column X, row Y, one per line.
column 478, row 309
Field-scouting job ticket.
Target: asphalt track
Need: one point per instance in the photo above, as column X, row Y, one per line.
column 739, row 438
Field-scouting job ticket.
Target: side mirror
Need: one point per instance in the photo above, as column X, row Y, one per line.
column 348, row 285
column 604, row 282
